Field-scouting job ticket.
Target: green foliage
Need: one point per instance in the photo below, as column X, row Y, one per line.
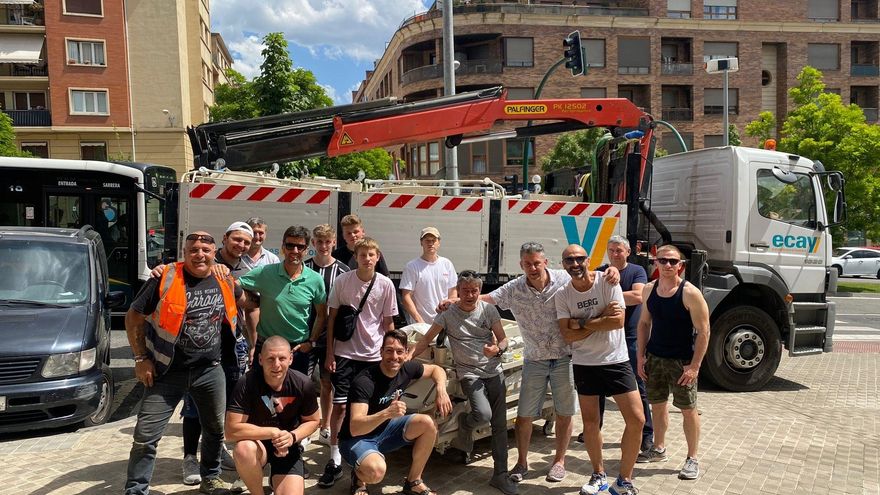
column 822, row 128
column 7, row 138
column 763, row 128
column 375, row 163
column 236, row 100
column 573, row 149
column 733, row 136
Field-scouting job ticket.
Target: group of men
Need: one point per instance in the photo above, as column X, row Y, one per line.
column 198, row 325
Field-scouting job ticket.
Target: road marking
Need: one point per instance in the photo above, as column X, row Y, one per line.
column 855, row 298
column 858, row 314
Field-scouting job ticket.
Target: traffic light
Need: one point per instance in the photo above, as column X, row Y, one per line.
column 574, row 54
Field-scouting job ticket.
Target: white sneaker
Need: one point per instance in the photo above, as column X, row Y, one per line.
column 191, row 474
column 323, row 436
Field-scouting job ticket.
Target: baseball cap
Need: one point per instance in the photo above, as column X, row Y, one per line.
column 429, row 231
column 242, row 227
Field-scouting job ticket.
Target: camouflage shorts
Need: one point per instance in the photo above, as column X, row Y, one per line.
column 663, row 375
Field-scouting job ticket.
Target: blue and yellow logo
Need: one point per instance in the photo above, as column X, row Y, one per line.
column 596, row 235
column 796, row 243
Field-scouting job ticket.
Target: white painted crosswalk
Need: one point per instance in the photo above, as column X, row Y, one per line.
column 853, row 332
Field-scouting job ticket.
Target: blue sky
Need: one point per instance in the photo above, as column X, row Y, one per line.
column 337, row 40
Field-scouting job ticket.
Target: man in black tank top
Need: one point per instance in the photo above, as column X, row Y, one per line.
column 673, row 336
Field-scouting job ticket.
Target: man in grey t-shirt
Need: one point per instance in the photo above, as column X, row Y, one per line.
column 477, row 337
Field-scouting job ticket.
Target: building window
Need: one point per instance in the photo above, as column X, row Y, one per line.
column 84, row 7
column 425, row 159
column 678, row 9
column 479, row 158
column 595, row 53
column 593, row 92
column 85, row 53
column 634, row 56
column 88, row 102
column 713, row 101
column 719, row 9
column 713, row 140
column 712, row 49
column 520, row 93
column 823, row 10
column 513, row 151
column 93, row 151
column 39, row 150
column 519, row 52
column 29, row 101
column 670, row 143
column 824, row 56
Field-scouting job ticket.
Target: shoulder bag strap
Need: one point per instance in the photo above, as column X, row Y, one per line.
column 366, row 294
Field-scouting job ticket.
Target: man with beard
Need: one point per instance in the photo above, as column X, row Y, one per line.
column 256, row 255
column 590, row 314
column 288, row 291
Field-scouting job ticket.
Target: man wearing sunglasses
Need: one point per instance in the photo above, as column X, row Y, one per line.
column 673, row 338
column 175, row 327
column 288, row 291
column 591, row 318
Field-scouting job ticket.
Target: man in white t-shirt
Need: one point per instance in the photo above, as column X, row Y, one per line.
column 427, row 280
column 345, row 359
column 590, row 314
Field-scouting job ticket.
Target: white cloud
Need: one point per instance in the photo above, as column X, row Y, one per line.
column 335, row 29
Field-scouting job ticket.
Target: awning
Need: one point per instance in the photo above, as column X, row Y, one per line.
column 17, row 2
column 20, row 48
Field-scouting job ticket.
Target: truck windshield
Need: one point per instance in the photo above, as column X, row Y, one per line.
column 44, row 272
column 793, row 203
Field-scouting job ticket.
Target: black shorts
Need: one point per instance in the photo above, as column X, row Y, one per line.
column 346, row 370
column 317, row 361
column 605, row 380
column 290, row 465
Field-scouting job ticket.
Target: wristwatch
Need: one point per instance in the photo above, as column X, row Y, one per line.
column 141, row 358
column 500, row 351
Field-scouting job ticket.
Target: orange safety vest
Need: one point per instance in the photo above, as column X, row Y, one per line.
column 167, row 319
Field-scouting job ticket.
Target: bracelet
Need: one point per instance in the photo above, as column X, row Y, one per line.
column 293, row 434
column 140, row 358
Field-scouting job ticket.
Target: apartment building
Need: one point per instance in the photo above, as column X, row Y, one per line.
column 109, row 79
column 649, row 51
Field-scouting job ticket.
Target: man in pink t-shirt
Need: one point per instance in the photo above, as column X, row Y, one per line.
column 346, row 359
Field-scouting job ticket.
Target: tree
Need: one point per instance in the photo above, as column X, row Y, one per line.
column 375, row 163
column 733, row 136
column 235, row 100
column 573, row 149
column 822, row 128
column 764, row 128
column 7, row 138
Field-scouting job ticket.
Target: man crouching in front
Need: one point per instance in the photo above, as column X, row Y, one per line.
column 272, row 409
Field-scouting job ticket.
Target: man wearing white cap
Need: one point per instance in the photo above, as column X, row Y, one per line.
column 427, row 280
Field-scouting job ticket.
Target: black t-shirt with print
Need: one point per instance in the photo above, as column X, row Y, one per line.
column 199, row 342
column 374, row 388
column 283, row 408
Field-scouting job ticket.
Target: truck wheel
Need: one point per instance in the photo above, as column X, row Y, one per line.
column 840, row 271
column 102, row 413
column 744, row 349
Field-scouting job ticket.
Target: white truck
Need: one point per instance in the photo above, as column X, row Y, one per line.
column 752, row 223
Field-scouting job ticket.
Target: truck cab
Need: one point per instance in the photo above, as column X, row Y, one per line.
column 762, row 218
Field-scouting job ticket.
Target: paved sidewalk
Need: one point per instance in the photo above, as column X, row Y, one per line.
column 815, row 429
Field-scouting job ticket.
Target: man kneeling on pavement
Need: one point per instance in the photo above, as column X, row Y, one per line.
column 376, row 422
column 273, row 408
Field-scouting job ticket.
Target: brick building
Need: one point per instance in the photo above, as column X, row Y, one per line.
column 109, row 79
column 649, row 51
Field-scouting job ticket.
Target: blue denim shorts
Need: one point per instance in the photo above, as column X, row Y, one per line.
column 355, row 450
column 536, row 375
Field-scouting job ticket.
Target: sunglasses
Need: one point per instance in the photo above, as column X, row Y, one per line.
column 292, row 246
column 574, row 260
column 200, row 237
column 668, row 261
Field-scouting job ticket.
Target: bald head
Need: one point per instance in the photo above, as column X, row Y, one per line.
column 275, row 343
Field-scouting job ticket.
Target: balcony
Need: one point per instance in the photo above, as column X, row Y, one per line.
column 677, row 69
column 678, row 114
column 468, row 67
column 865, row 70
column 23, row 70
column 719, row 109
column 22, row 15
column 498, row 6
column 421, row 74
column 633, row 70
column 30, row 118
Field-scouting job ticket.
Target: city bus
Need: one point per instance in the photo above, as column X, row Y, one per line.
column 123, row 201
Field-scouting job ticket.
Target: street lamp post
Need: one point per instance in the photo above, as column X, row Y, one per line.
column 724, row 66
column 449, row 86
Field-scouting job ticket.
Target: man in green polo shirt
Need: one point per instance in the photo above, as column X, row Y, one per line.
column 287, row 291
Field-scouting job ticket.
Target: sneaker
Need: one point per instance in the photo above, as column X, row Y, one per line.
column 331, row 475
column 518, row 473
column 691, row 469
column 238, row 486
column 323, row 436
column 597, row 483
column 504, row 483
column 580, row 437
column 556, row 473
column 356, row 484
column 622, row 487
column 652, row 455
column 191, row 474
column 305, row 442
column 227, row 463
column 214, row 486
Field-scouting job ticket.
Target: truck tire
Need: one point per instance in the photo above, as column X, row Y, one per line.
column 102, row 413
column 744, row 349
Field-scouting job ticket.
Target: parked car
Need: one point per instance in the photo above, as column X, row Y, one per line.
column 54, row 328
column 856, row 261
